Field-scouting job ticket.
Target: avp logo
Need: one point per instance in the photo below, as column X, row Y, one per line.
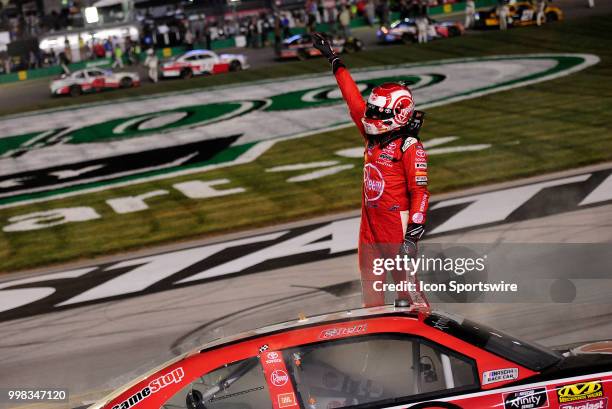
column 580, row 391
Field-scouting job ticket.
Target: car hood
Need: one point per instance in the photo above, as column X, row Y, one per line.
column 581, row 359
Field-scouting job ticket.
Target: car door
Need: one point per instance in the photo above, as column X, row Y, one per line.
column 377, row 370
column 206, row 63
column 97, row 78
column 81, row 78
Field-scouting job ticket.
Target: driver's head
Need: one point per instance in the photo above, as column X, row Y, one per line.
column 389, row 107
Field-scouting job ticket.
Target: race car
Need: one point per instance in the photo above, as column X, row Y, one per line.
column 202, row 62
column 519, row 14
column 92, row 80
column 379, row 357
column 406, row 30
column 300, row 46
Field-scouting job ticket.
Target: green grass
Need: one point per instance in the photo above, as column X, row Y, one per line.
column 540, row 128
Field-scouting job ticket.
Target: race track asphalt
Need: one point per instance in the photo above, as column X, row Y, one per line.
column 94, row 348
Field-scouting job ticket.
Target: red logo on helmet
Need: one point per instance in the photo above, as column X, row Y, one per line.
column 402, row 109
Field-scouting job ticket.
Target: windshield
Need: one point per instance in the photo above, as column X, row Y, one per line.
column 527, row 354
column 240, row 384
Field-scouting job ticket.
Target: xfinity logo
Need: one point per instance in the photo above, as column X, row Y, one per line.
column 526, row 399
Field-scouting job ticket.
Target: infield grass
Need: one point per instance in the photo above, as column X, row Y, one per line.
column 540, row 128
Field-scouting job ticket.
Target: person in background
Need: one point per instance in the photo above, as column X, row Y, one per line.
column 330, row 12
column 540, row 7
column 370, row 11
column 311, row 10
column 33, row 60
column 67, row 51
column 422, row 27
column 189, row 38
column 470, row 12
column 591, row 3
column 384, row 13
column 345, row 21
column 152, row 63
column 207, row 37
column 64, row 61
column 118, row 61
column 502, row 12
column 108, row 48
column 98, row 49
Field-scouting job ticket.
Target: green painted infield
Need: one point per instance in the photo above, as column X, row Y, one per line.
column 549, row 126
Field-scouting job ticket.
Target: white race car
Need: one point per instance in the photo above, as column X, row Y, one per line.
column 92, row 80
column 202, row 62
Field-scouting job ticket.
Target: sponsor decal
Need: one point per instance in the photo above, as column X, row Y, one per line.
column 385, row 156
column 280, row 388
column 154, row 386
column 420, row 153
column 499, row 375
column 421, row 178
column 408, row 143
column 286, row 399
column 420, row 173
column 423, row 203
column 103, row 132
column 421, row 183
column 337, row 332
column 373, row 182
column 273, row 358
column 417, row 217
column 420, row 165
column 526, row 399
column 579, row 391
column 279, row 377
column 601, row 403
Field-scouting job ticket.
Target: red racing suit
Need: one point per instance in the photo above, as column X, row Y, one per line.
column 394, row 195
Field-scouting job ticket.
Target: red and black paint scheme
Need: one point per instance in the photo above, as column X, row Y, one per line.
column 380, row 357
column 93, row 80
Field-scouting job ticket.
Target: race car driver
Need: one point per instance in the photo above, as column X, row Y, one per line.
column 395, row 196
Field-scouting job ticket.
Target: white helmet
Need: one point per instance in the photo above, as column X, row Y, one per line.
column 389, row 107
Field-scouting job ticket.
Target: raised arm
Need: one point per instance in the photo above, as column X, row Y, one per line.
column 348, row 88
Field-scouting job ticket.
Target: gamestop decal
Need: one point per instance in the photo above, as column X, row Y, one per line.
column 154, row 386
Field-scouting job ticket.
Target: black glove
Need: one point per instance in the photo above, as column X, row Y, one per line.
column 321, row 43
column 409, row 247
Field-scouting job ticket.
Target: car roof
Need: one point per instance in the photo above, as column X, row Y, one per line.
column 361, row 313
column 193, row 52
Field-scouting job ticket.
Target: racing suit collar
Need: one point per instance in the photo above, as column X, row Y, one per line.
column 384, row 139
